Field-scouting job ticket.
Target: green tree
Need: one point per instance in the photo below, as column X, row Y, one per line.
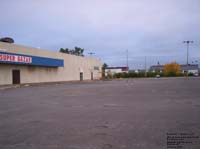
column 76, row 51
column 62, row 50
column 104, row 66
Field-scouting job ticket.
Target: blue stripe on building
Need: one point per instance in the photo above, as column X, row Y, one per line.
column 36, row 61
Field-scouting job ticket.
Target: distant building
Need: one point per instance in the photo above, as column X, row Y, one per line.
column 156, row 68
column 137, row 71
column 113, row 70
column 191, row 68
column 194, row 68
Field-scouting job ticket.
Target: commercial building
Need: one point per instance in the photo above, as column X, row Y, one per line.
column 156, row 68
column 190, row 68
column 186, row 69
column 21, row 65
column 113, row 70
column 138, row 71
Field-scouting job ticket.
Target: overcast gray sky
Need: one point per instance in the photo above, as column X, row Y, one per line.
column 152, row 28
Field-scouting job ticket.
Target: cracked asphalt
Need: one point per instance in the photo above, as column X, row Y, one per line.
column 120, row 114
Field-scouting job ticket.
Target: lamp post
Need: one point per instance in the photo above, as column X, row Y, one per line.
column 91, row 53
column 188, row 42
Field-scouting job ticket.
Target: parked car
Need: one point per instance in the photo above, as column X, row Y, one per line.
column 158, row 76
column 196, row 74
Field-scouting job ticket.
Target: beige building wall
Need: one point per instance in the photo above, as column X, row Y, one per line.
column 73, row 65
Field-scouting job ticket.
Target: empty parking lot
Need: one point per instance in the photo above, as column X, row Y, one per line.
column 120, row 114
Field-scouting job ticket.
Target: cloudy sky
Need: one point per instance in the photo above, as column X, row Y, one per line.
column 152, row 28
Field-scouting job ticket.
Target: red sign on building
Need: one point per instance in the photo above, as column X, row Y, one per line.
column 15, row 58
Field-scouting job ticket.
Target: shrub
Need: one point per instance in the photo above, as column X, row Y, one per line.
column 190, row 74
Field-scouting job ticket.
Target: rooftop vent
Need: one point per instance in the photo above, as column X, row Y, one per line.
column 7, row 39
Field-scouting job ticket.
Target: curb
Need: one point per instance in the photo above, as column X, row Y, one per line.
column 9, row 87
column 6, row 87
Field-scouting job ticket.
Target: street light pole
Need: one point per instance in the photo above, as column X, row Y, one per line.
column 188, row 43
column 91, row 53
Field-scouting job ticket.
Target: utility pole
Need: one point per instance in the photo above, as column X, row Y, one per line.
column 188, row 42
column 127, row 58
column 145, row 66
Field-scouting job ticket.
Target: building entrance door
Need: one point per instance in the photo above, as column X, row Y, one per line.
column 16, row 76
column 91, row 75
column 81, row 76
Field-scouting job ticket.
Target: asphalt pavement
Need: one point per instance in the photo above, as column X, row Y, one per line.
column 120, row 114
